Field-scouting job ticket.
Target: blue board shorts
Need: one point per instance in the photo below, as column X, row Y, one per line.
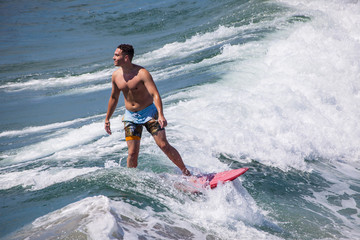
column 134, row 122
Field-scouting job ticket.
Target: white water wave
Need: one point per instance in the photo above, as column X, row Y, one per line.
column 89, row 140
column 297, row 98
column 43, row 84
column 101, row 218
column 68, row 139
column 39, row 178
column 38, row 129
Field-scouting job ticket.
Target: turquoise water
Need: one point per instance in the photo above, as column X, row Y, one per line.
column 269, row 85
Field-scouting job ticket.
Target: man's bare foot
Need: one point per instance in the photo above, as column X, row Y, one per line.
column 186, row 172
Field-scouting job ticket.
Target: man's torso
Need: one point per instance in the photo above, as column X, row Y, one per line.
column 132, row 85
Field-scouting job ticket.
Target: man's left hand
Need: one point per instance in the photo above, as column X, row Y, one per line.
column 162, row 121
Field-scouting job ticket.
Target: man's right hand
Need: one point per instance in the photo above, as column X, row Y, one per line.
column 107, row 128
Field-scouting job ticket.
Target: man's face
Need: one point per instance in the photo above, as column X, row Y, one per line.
column 118, row 57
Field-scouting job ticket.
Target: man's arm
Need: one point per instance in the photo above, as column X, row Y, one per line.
column 152, row 89
column 114, row 98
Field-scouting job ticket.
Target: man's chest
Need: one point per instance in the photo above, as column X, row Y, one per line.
column 132, row 84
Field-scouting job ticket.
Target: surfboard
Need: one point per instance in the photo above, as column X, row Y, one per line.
column 212, row 180
column 196, row 183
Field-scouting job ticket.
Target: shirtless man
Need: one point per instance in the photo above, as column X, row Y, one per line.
column 143, row 107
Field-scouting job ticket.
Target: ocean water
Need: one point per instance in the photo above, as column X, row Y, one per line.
column 269, row 85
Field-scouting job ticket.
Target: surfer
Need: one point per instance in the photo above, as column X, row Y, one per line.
column 143, row 107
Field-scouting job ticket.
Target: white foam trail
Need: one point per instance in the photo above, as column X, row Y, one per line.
column 42, row 84
column 40, row 178
column 95, row 150
column 39, row 129
column 90, row 140
column 88, row 89
column 197, row 43
column 69, row 139
column 227, row 54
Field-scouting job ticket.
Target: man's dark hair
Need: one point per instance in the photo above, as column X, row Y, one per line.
column 127, row 49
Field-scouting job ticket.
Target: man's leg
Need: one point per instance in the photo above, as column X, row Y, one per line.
column 170, row 151
column 132, row 136
column 133, row 151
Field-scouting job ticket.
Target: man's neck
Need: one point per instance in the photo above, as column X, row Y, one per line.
column 128, row 68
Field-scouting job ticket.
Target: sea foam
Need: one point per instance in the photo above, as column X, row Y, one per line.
column 296, row 99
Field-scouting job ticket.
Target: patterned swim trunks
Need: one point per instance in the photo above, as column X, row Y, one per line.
column 134, row 122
